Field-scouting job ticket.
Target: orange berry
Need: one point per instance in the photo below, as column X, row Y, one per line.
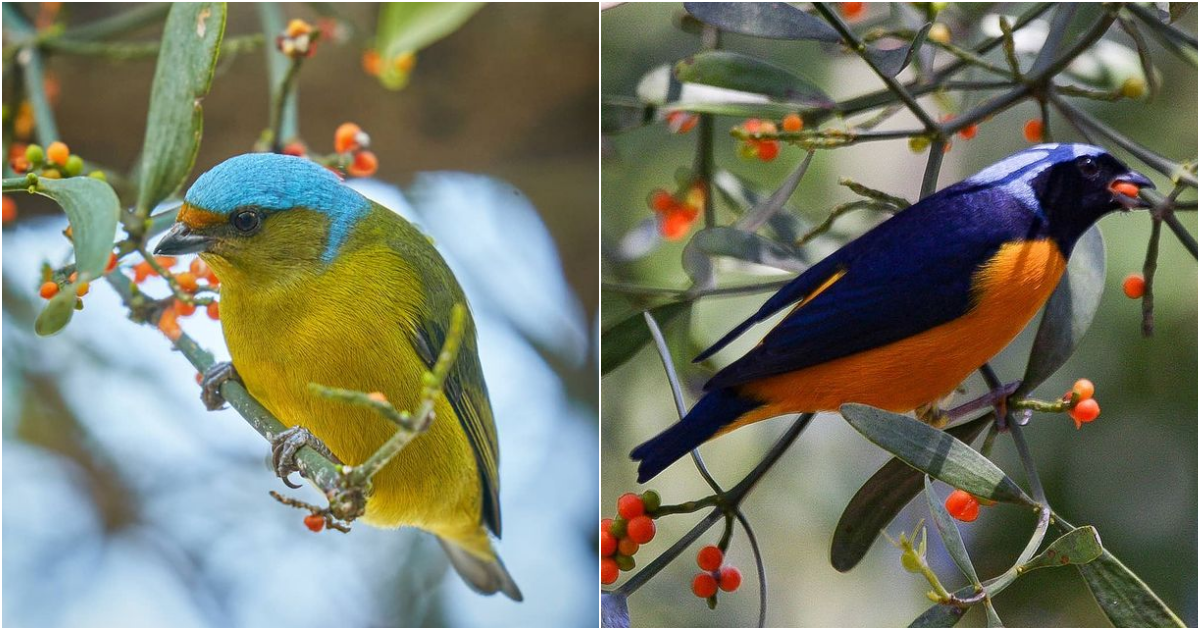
column 19, row 164
column 168, row 323
column 969, row 131
column 294, row 148
column 74, row 276
column 682, row 122
column 10, row 209
column 214, row 311
column 626, row 547
column 187, row 281
column 82, row 289
column 729, row 579
column 365, row 164
column 377, row 397
column 1129, row 189
column 1084, row 388
column 1134, row 286
column 852, row 10
column 704, row 585
column 112, row 263
column 185, row 309
column 346, row 138
column 630, row 505
column 58, row 153
column 372, row 63
column 141, row 271
column 405, row 62
column 674, row 226
column 710, row 558
column 314, row 522
column 659, row 200
column 768, row 150
column 793, row 123
column 1084, row 411
column 640, row 529
column 197, row 267
column 752, row 125
column 166, row 262
column 608, row 543
column 609, row 571
column 962, row 506
column 298, row 27
column 1034, row 130
column 199, row 378
column 48, row 290
column 946, row 147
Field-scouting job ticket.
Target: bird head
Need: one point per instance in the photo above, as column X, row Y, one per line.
column 264, row 213
column 1070, row 186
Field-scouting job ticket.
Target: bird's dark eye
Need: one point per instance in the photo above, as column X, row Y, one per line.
column 246, row 221
column 1088, row 167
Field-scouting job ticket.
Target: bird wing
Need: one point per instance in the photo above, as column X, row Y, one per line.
column 911, row 273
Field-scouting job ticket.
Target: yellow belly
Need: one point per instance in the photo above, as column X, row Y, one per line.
column 344, row 331
column 926, row 367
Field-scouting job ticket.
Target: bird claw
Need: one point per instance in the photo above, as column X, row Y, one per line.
column 286, row 444
column 933, row 415
column 210, row 384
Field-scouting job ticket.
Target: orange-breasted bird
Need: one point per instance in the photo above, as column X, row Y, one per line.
column 897, row 318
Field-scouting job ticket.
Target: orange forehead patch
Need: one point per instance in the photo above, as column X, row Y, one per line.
column 195, row 218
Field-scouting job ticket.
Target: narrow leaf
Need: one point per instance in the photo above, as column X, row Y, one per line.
column 627, row 337
column 736, row 71
column 734, row 243
column 735, row 109
column 881, row 498
column 948, row 530
column 939, row 616
column 993, row 619
column 92, row 209
column 190, row 44
column 1068, row 312
column 1078, row 546
column 407, row 27
column 892, row 61
column 936, row 453
column 772, row 20
column 1125, row 599
column 618, row 114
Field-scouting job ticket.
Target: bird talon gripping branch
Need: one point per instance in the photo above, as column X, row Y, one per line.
column 284, row 447
column 211, row 382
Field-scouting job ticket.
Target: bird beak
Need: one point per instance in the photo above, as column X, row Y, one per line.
column 1125, row 189
column 181, row 240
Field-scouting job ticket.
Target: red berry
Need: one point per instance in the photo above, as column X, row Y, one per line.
column 112, row 263
column 640, row 529
column 609, row 571
column 346, row 137
column 630, row 505
column 675, row 225
column 294, row 148
column 626, row 547
column 608, row 543
column 969, row 131
column 214, row 311
column 681, row 122
column 314, row 522
column 768, row 150
column 962, row 506
column 704, row 585
column 1034, row 131
column 1085, row 411
column 1134, row 286
column 365, row 164
column 710, row 558
column 1128, row 189
column 661, row 200
column 730, row 579
column 852, row 10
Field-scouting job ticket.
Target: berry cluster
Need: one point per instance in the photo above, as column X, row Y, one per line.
column 53, row 162
column 676, row 213
column 188, row 282
column 350, row 144
column 372, row 62
column 50, row 287
column 621, row 537
column 715, row 574
column 1083, row 408
column 298, row 40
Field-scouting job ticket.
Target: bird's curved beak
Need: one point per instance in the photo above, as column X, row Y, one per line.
column 182, row 240
column 1125, row 189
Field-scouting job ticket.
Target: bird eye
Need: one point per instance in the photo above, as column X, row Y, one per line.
column 1088, row 167
column 246, row 221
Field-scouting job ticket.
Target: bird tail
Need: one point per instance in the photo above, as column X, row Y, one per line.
column 715, row 411
column 485, row 576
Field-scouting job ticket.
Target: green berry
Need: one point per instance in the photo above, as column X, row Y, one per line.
column 918, row 144
column 74, row 166
column 34, row 154
column 98, row 175
column 625, row 563
column 617, row 528
column 651, row 500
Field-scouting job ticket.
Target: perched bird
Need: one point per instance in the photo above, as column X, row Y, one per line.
column 900, row 316
column 321, row 285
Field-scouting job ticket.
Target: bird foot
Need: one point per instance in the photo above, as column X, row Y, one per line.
column 211, row 382
column 286, row 444
column 933, row 415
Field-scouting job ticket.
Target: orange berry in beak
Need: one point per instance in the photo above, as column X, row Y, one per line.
column 1128, row 189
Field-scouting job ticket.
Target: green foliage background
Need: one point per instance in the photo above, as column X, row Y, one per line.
column 1132, row 473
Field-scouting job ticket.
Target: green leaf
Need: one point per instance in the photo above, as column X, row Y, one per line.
column 92, row 209
column 618, row 114
column 1078, row 546
column 735, row 71
column 881, row 498
column 622, row 341
column 939, row 616
column 936, row 453
column 1125, row 599
column 892, row 61
column 993, row 619
column 948, row 530
column 190, row 44
column 407, row 27
column 771, row 20
column 737, row 110
column 1068, row 312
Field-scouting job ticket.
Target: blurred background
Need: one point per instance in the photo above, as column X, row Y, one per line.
column 126, row 504
column 1132, row 473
